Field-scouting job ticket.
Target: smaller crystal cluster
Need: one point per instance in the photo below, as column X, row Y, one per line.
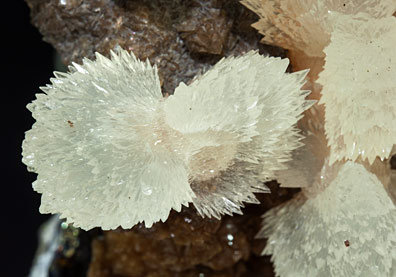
column 348, row 229
column 340, row 33
column 306, row 25
column 110, row 151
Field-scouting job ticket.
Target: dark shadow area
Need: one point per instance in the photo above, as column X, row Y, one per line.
column 27, row 64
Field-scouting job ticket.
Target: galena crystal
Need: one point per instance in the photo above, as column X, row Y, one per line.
column 359, row 89
column 110, row 151
column 305, row 25
column 346, row 228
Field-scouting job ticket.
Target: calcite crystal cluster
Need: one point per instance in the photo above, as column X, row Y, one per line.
column 111, row 151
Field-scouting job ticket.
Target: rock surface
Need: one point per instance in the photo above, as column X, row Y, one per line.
column 187, row 245
column 182, row 37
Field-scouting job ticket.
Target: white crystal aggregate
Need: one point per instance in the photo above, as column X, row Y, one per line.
column 305, row 25
column 346, row 229
column 110, row 151
column 359, row 89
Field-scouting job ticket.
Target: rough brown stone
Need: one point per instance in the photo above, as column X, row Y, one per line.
column 182, row 37
column 188, row 245
column 205, row 29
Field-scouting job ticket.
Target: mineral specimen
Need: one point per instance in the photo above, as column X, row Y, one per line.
column 359, row 94
column 184, row 38
column 110, row 151
column 347, row 228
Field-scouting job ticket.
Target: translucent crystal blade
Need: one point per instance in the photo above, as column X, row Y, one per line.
column 360, row 94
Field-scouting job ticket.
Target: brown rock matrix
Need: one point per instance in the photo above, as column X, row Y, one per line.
column 187, row 245
column 182, row 37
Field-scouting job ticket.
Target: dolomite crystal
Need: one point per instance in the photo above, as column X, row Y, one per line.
column 110, row 151
column 346, row 229
column 306, row 25
column 360, row 93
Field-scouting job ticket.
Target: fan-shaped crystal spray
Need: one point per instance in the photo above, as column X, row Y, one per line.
column 346, row 229
column 305, row 25
column 110, row 151
column 359, row 89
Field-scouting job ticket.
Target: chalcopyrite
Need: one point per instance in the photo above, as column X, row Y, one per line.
column 306, row 25
column 359, row 89
column 110, row 151
column 348, row 229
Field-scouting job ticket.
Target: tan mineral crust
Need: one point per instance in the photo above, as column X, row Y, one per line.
column 187, row 245
column 184, row 38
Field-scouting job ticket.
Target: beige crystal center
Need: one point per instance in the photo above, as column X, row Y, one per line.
column 210, row 161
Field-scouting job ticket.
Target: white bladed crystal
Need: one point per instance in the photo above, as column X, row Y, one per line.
column 359, row 89
column 347, row 229
column 110, row 151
